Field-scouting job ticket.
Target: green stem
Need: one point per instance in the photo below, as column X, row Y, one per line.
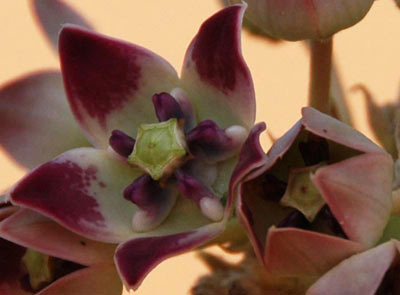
column 320, row 75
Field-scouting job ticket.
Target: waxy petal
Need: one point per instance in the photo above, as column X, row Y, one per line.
column 337, row 131
column 360, row 274
column 292, row 252
column 361, row 202
column 110, row 83
column 98, row 279
column 134, row 260
column 36, row 123
column 53, row 14
column 82, row 190
column 214, row 73
column 32, row 230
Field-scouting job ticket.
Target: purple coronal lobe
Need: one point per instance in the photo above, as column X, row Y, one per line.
column 207, row 138
column 100, row 75
column 121, row 143
column 61, row 190
column 166, row 107
column 145, row 192
column 216, row 52
column 136, row 258
column 191, row 188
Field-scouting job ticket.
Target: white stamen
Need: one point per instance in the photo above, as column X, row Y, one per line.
column 212, row 208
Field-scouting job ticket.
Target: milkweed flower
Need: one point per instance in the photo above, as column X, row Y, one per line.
column 321, row 194
column 157, row 182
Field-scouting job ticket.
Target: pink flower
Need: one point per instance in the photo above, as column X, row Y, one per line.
column 321, row 194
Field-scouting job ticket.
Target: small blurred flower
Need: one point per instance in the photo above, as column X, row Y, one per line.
column 162, row 186
column 321, row 194
column 304, row 19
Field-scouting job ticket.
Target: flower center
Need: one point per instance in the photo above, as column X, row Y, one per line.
column 160, row 148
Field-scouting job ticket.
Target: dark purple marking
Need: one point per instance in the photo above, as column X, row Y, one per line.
column 11, row 271
column 216, row 50
column 121, row 143
column 295, row 219
column 100, row 74
column 136, row 258
column 166, row 107
column 145, row 192
column 191, row 188
column 315, row 150
column 60, row 190
column 208, row 139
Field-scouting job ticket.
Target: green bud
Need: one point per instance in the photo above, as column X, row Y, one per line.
column 159, row 149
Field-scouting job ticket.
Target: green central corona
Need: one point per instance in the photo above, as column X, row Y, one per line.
column 159, row 149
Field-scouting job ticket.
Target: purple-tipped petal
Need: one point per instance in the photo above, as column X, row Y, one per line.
column 136, row 258
column 209, row 141
column 292, row 252
column 251, row 159
column 99, row 279
column 32, row 230
column 336, row 131
column 154, row 202
column 82, row 190
column 53, row 14
column 361, row 202
column 360, row 274
column 166, row 107
column 207, row 201
column 121, row 143
column 110, row 83
column 214, row 73
column 36, row 123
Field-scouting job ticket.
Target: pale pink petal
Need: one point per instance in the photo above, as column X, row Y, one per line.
column 358, row 192
column 292, row 252
column 360, row 274
column 36, row 123
column 214, row 73
column 52, row 15
column 83, row 190
column 32, row 230
column 110, row 83
column 137, row 257
column 98, row 279
column 337, row 131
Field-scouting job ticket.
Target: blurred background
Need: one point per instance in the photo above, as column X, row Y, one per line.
column 368, row 53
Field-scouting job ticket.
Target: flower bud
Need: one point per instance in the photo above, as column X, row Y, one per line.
column 304, row 19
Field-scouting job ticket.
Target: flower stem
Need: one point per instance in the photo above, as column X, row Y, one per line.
column 320, row 75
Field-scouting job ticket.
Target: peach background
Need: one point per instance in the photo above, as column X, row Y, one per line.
column 367, row 53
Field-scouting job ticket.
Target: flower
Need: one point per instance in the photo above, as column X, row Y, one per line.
column 161, row 188
column 304, row 19
column 321, row 194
